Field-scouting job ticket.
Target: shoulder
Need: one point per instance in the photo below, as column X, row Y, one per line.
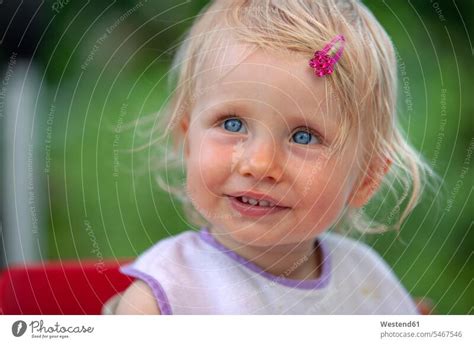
column 169, row 250
column 159, row 272
column 360, row 266
column 355, row 260
column 348, row 249
column 138, row 299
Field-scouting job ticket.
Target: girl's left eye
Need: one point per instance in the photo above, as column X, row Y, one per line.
column 233, row 124
column 305, row 137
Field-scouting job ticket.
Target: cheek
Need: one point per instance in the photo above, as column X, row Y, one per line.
column 208, row 166
column 325, row 190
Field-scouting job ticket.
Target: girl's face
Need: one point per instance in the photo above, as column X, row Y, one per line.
column 264, row 129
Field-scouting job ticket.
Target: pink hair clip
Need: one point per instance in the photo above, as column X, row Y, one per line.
column 322, row 63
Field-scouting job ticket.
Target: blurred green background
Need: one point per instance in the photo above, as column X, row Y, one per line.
column 104, row 64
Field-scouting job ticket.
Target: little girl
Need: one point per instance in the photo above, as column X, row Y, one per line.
column 284, row 113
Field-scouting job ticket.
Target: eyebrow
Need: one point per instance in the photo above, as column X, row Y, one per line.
column 324, row 125
column 317, row 120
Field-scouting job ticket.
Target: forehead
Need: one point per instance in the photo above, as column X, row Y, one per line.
column 280, row 81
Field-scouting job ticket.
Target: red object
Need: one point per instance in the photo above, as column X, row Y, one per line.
column 64, row 287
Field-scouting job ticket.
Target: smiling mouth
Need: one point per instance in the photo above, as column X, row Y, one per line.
column 256, row 200
column 259, row 208
column 255, row 203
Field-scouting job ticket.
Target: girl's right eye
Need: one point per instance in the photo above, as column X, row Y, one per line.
column 233, row 125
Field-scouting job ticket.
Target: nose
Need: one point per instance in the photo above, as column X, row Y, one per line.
column 260, row 159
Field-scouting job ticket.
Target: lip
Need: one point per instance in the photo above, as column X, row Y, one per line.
column 257, row 196
column 251, row 210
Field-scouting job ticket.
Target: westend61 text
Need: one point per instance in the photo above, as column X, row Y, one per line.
column 399, row 324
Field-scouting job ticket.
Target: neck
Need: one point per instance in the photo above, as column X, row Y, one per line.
column 301, row 261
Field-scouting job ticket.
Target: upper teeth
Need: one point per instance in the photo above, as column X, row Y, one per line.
column 261, row 203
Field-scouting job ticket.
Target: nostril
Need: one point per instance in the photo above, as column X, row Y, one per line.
column 259, row 161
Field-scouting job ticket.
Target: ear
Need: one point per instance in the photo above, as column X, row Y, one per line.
column 369, row 182
column 183, row 130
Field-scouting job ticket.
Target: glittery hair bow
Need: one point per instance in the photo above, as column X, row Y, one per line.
column 322, row 62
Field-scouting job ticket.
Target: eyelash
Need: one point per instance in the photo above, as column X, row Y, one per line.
column 222, row 119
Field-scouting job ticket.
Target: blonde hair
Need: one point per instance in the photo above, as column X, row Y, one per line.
column 365, row 84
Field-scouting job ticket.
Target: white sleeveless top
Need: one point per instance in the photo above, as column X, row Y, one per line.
column 192, row 273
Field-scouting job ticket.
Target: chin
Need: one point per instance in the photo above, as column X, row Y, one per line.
column 252, row 236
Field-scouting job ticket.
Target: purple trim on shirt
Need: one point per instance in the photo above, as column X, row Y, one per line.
column 317, row 283
column 158, row 292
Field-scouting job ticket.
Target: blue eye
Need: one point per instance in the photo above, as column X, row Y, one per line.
column 304, row 137
column 233, row 125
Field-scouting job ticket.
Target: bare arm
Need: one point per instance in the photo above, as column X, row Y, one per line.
column 138, row 299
